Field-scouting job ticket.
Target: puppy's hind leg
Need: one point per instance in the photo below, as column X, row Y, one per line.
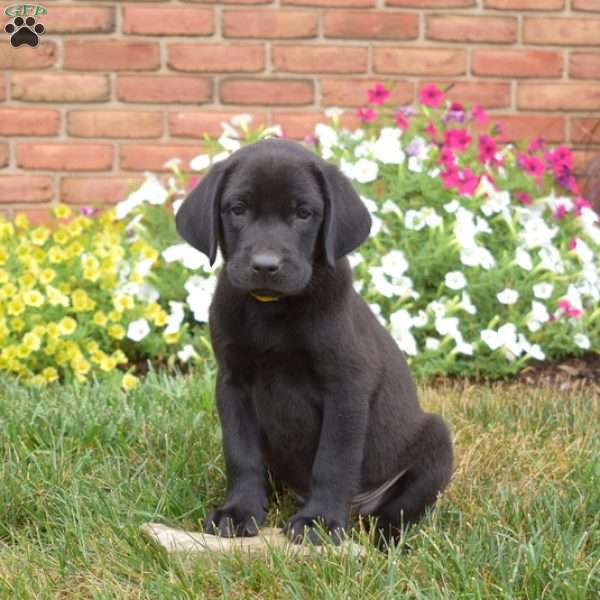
column 406, row 502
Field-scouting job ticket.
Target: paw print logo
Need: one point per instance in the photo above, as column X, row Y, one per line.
column 24, row 31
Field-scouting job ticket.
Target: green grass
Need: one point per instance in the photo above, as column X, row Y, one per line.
column 83, row 467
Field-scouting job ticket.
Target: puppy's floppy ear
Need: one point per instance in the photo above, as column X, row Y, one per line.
column 347, row 221
column 197, row 219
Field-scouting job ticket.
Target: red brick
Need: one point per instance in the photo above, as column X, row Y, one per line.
column 458, row 28
column 267, row 91
column 588, row 5
column 524, row 4
column 269, row 23
column 36, row 216
column 165, row 20
column 419, row 61
column 114, row 55
column 585, row 131
column 79, row 19
column 516, row 63
column 320, row 59
column 2, row 87
column 115, row 123
column 163, row 89
column 26, row 57
column 64, row 157
column 330, row 3
column 217, row 58
column 491, row 94
column 353, row 92
column 559, row 96
column 584, row 65
column 142, row 157
column 59, row 87
column 527, row 127
column 236, row 1
column 26, row 188
column 97, row 190
column 431, row 3
column 195, row 124
column 4, row 158
column 298, row 125
column 376, row 25
column 561, row 31
column 29, row 121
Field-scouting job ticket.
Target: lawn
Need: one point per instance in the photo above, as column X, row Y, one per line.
column 82, row 467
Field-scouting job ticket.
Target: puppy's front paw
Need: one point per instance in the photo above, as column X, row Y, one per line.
column 301, row 527
column 233, row 521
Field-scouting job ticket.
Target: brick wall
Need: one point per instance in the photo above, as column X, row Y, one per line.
column 115, row 88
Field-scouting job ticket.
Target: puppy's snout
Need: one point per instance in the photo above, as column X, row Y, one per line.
column 266, row 263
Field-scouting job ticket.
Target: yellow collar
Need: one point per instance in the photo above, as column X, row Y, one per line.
column 265, row 298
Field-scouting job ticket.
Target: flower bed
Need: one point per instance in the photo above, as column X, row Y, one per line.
column 482, row 256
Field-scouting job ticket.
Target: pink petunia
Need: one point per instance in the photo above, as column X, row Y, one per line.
column 378, row 94
column 581, row 202
column 537, row 144
column 560, row 212
column 524, row 198
column 572, row 245
column 401, row 121
column 430, row 130
column 447, row 158
column 457, row 139
column 431, row 95
column 532, row 165
column 366, row 115
column 465, row 181
column 479, row 115
column 487, row 149
column 568, row 309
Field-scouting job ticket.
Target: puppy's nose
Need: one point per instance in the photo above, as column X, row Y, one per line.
column 266, row 263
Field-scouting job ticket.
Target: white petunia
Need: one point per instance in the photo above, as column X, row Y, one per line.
column 334, row 112
column 551, row 259
column 389, row 206
column 431, row 343
column 455, row 280
column 543, row 290
column 446, row 325
column 584, row 252
column 394, row 263
column 508, row 296
column 365, row 170
column 358, row 285
column 151, row 191
column 431, row 217
column 200, row 162
column 175, row 318
column 413, row 219
column 200, row 290
column 327, row 136
column 186, row 353
column 491, row 338
column 582, row 340
column 220, row 156
column 190, row 257
column 437, row 308
column 415, row 164
column 377, row 312
column 523, row 259
column 387, row 148
column 537, row 317
column 355, row 259
column 477, row 256
column 466, row 304
column 138, row 330
column 536, row 233
column 451, row 207
column 242, row 120
column 420, row 319
column 347, row 168
column 177, row 205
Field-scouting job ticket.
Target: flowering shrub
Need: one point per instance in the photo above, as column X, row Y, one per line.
column 481, row 256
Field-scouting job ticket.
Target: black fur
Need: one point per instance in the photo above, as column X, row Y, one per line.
column 311, row 386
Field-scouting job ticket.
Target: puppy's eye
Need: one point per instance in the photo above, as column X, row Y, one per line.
column 238, row 209
column 303, row 213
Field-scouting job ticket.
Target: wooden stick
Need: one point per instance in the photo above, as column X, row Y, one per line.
column 177, row 540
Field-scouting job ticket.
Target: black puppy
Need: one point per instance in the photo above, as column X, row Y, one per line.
column 310, row 385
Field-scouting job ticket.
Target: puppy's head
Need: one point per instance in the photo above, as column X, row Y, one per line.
column 275, row 209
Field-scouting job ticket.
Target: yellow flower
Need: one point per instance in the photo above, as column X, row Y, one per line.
column 3, row 256
column 21, row 221
column 23, row 351
column 17, row 324
column 52, row 330
column 60, row 236
column 91, row 274
column 27, row 281
column 89, row 262
column 37, row 380
column 74, row 249
column 32, row 341
column 81, row 301
column 72, row 350
column 92, row 346
column 39, row 330
column 15, row 307
column 115, row 315
column 4, row 330
column 46, row 276
column 80, row 365
column 50, row 374
column 122, row 302
column 119, row 357
column 6, row 230
column 8, row 291
column 33, row 298
column 40, row 235
column 100, row 319
column 62, row 211
column 117, row 331
column 3, row 276
column 56, row 254
column 66, row 326
column 171, row 338
column 56, row 297
column 75, row 228
column 51, row 347
column 129, row 382
column 108, row 364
